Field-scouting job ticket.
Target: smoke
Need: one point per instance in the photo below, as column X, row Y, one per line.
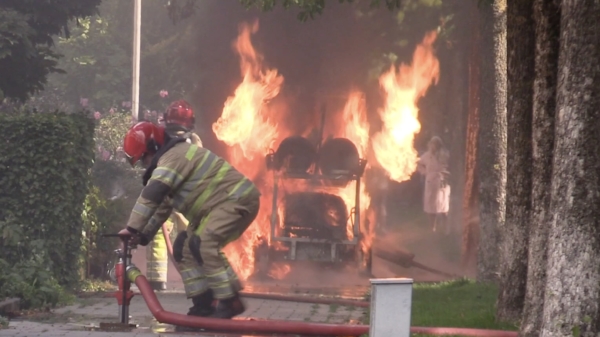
column 322, row 61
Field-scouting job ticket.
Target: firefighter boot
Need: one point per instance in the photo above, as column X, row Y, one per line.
column 158, row 286
column 203, row 304
column 202, row 307
column 228, row 308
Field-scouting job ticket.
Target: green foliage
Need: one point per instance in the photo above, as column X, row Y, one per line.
column 32, row 281
column 45, row 163
column 27, row 28
column 93, row 285
column 110, row 131
column 97, row 60
column 115, row 186
column 308, row 8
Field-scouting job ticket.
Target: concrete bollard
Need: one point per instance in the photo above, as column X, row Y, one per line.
column 391, row 301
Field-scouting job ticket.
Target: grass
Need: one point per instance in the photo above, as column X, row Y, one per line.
column 459, row 304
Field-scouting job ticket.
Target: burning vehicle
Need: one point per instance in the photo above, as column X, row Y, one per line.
column 310, row 221
column 315, row 206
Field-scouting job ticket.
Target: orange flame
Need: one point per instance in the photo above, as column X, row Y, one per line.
column 279, row 270
column 356, row 129
column 248, row 127
column 393, row 145
column 245, row 121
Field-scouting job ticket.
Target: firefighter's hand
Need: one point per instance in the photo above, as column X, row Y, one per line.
column 134, row 239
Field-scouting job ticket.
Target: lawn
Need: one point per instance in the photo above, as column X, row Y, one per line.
column 455, row 304
column 460, row 303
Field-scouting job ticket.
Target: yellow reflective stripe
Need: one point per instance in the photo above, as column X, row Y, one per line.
column 191, row 274
column 206, row 164
column 191, row 152
column 209, row 189
column 218, row 277
column 195, row 289
column 167, row 175
column 143, row 210
column 242, row 188
column 203, row 223
column 231, row 273
column 222, row 292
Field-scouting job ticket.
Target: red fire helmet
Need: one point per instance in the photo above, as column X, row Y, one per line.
column 143, row 138
column 180, row 113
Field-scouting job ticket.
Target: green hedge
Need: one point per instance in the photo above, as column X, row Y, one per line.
column 45, row 163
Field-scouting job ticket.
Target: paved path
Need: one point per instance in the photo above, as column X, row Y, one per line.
column 76, row 320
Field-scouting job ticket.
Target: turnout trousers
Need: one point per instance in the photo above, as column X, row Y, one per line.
column 197, row 251
column 157, row 259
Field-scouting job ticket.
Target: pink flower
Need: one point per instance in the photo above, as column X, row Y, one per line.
column 126, row 104
column 163, row 93
column 105, row 155
column 83, row 101
column 111, row 111
column 97, row 115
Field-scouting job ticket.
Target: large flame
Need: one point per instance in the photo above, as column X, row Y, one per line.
column 356, row 128
column 245, row 122
column 403, row 87
column 248, row 126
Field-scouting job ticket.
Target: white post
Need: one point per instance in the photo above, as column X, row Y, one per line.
column 391, row 301
column 135, row 79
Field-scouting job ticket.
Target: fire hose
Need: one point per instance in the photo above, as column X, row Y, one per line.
column 276, row 326
column 129, row 273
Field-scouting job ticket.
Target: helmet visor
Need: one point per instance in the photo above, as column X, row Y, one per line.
column 131, row 160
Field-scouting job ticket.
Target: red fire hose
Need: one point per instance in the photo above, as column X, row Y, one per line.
column 242, row 326
column 280, row 327
column 286, row 327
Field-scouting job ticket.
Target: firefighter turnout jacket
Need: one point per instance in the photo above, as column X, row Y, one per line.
column 219, row 204
column 157, row 259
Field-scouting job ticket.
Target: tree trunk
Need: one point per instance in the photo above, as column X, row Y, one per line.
column 572, row 304
column 546, row 15
column 470, row 234
column 514, row 235
column 492, row 138
column 456, row 119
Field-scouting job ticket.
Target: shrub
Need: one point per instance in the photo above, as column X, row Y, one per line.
column 45, row 165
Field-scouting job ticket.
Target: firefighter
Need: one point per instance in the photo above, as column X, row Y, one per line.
column 217, row 200
column 179, row 120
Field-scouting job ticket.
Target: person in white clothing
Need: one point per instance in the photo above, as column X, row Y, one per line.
column 433, row 164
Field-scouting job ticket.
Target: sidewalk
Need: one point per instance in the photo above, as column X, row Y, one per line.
column 75, row 320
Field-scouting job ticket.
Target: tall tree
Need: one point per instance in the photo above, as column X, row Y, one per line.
column 491, row 152
column 572, row 304
column 470, row 235
column 27, row 28
column 547, row 30
column 515, row 233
